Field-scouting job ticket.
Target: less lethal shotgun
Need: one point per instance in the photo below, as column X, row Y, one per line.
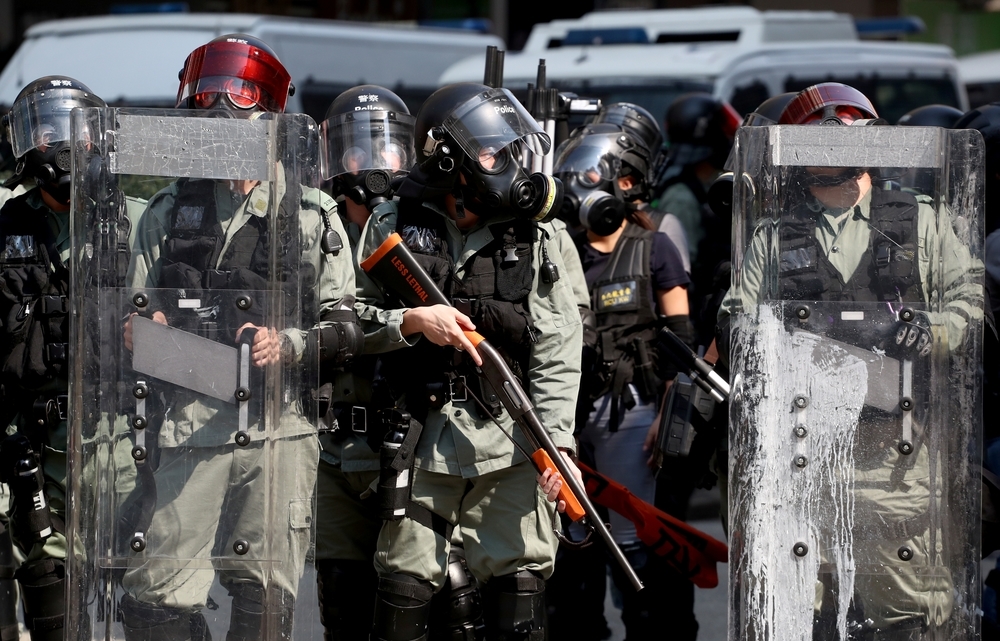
column 394, row 267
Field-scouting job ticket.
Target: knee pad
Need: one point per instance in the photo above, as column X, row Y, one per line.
column 250, row 602
column 346, row 598
column 148, row 622
column 457, row 610
column 515, row 609
column 402, row 608
column 42, row 596
column 8, row 591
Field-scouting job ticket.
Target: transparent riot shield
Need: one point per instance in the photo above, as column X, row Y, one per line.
column 193, row 452
column 855, row 422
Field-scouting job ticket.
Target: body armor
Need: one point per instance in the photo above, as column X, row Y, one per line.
column 886, row 272
column 493, row 293
column 33, row 307
column 626, row 325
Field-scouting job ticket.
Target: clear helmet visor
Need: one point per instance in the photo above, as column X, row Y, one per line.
column 590, row 159
column 41, row 119
column 490, row 121
column 367, row 139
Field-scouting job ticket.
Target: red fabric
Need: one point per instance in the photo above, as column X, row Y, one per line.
column 688, row 550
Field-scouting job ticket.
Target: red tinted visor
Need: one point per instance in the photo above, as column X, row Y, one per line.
column 245, row 73
column 818, row 97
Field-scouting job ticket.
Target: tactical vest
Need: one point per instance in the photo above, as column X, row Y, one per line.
column 621, row 298
column 196, row 238
column 886, row 271
column 493, row 293
column 34, row 285
column 191, row 253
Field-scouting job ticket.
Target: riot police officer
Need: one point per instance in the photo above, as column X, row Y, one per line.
column 257, row 261
column 468, row 213
column 367, row 143
column 858, row 301
column 35, row 277
column 638, row 283
column 639, row 121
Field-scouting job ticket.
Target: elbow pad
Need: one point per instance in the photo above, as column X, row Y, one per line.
column 338, row 343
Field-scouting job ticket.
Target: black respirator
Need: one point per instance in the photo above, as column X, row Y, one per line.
column 368, row 188
column 594, row 208
column 51, row 168
column 495, row 185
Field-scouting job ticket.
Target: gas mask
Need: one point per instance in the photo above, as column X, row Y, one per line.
column 591, row 164
column 594, row 209
column 365, row 151
column 51, row 168
column 497, row 185
column 484, row 139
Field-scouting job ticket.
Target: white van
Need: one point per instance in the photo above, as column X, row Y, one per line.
column 737, row 53
column 133, row 60
column 981, row 74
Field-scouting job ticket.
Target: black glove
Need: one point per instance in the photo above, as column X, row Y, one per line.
column 909, row 340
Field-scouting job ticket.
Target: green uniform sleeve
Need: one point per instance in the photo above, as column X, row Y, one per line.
column 951, row 278
column 149, row 233
column 335, row 282
column 382, row 326
column 554, row 364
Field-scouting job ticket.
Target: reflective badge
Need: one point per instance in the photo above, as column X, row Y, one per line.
column 616, row 296
column 18, row 247
column 189, row 217
column 795, row 259
column 421, row 239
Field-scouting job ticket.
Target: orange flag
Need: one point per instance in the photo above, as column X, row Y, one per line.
column 688, row 550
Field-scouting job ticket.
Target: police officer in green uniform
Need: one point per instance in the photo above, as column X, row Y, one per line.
column 846, row 238
column 367, row 141
column 34, row 289
column 212, row 236
column 468, row 212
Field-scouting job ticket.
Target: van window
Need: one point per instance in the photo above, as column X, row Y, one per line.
column 747, row 98
column 983, row 93
column 892, row 97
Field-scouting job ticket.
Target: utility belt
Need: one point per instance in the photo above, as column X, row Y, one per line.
column 50, row 411
column 453, row 387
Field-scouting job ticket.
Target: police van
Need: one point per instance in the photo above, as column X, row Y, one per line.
column 981, row 75
column 739, row 54
column 133, row 60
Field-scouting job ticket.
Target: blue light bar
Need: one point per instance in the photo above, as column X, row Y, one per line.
column 157, row 7
column 622, row 36
column 479, row 25
column 896, row 26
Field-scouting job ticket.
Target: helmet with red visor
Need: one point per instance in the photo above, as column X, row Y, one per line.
column 234, row 71
column 828, row 103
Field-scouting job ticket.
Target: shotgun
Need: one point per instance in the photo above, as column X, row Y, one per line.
column 394, row 267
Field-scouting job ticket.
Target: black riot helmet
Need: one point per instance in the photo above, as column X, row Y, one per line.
column 367, row 141
column 636, row 119
column 38, row 129
column 479, row 132
column 769, row 111
column 237, row 72
column 700, row 127
column 986, row 120
column 931, row 116
column 591, row 164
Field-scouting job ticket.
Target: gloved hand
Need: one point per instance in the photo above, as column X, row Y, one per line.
column 910, row 340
